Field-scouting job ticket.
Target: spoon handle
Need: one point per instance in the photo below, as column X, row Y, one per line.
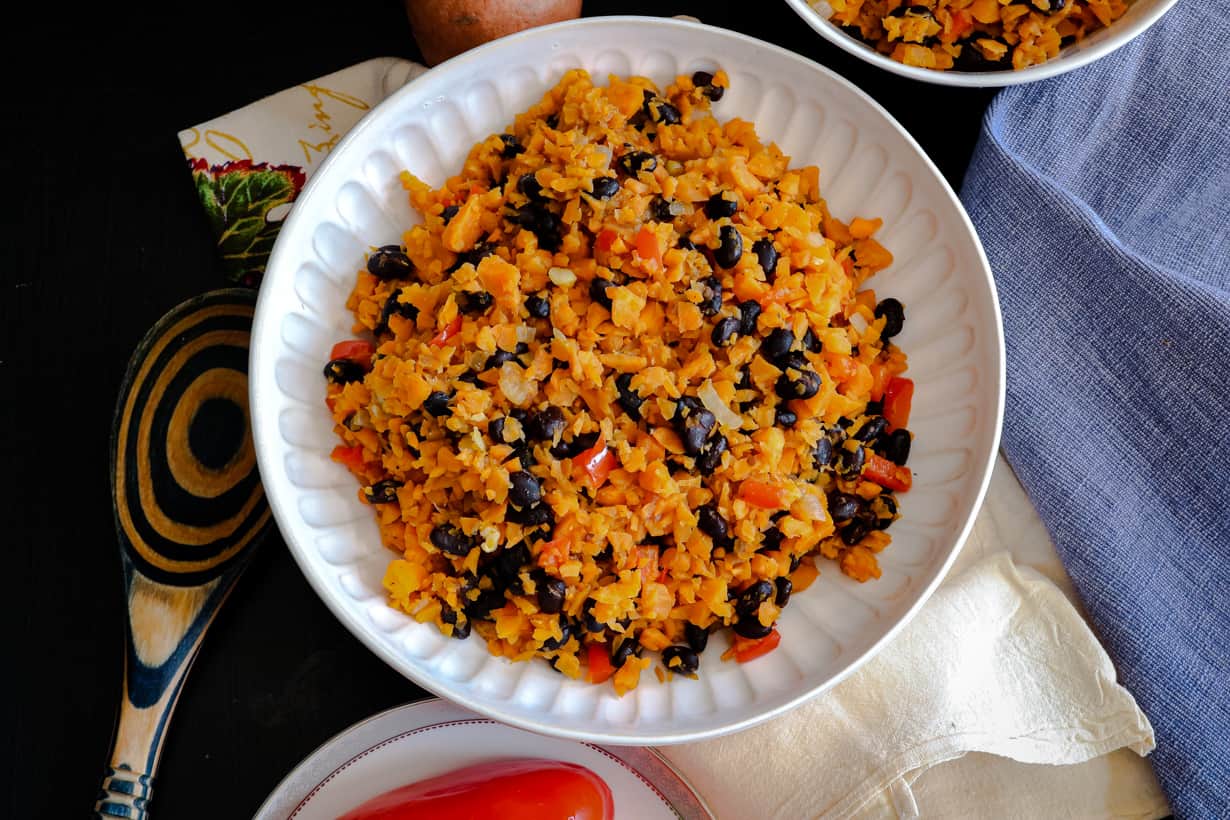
column 158, row 652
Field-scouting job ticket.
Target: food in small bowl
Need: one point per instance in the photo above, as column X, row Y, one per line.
column 623, row 386
column 971, row 35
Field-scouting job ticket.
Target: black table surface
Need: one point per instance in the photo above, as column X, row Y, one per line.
column 103, row 234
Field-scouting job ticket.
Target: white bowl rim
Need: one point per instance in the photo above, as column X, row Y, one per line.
column 284, row 512
column 980, row 79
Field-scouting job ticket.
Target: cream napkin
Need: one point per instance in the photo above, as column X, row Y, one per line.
column 997, row 661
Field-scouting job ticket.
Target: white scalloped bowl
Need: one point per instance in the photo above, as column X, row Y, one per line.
column 869, row 166
column 1140, row 15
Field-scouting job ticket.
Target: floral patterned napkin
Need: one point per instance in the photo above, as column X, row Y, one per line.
column 248, row 166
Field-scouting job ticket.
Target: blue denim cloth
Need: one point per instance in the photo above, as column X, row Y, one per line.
column 1102, row 198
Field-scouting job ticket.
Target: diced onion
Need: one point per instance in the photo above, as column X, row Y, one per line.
column 713, row 403
column 515, row 386
column 563, row 277
column 525, row 333
column 815, row 239
column 859, row 323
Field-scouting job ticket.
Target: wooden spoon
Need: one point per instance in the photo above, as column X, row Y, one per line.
column 189, row 508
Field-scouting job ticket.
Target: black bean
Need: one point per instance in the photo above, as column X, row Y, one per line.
column 853, row 532
column 680, row 659
column 844, row 506
column 436, row 403
column 474, row 303
column 770, row 540
column 751, row 628
column 686, row 244
column 566, row 633
column 592, row 624
column 885, row 512
column 530, row 187
column 711, row 296
column 512, row 146
column 498, row 358
column 896, row 446
column 628, row 648
column 724, row 332
column 700, row 79
column 784, row 588
column 534, row 516
column 390, row 262
column 545, row 425
column 730, row 249
column 696, row 636
column 894, row 315
column 448, row 213
column 461, row 631
column 541, row 222
column 751, row 598
column 495, row 430
column 811, row 342
column 634, row 162
column 449, row 540
column 382, row 492
column 777, row 345
column 783, row 417
column 664, row 113
column 685, row 406
column 871, row 428
column 711, row 457
column 525, row 490
column 822, row 453
column 749, row 312
column 803, row 386
column 394, row 307
column 604, row 187
column 711, row 523
column 696, row 429
column 480, row 608
column 574, row 448
column 745, row 378
column 550, row 593
column 628, row 399
column 660, row 209
column 704, row 81
column 473, row 256
column 718, row 206
column 598, row 291
column 874, row 408
column 344, row 371
column 852, row 462
column 538, row 307
column 766, row 255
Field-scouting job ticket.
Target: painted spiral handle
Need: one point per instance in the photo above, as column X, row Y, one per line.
column 189, row 507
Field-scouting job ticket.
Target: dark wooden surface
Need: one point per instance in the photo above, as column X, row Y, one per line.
column 102, row 235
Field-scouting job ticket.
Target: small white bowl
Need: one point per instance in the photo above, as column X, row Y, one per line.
column 1140, row 15
column 869, row 166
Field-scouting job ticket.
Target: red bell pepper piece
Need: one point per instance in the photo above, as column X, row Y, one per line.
column 898, row 396
column 888, row 475
column 358, row 351
column 762, row 494
column 750, row 650
column 647, row 246
column 597, row 462
column 508, row 789
column 447, row 332
column 605, row 239
column 599, row 662
column 352, row 457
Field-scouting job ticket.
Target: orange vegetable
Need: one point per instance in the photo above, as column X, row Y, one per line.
column 840, row 366
column 647, row 562
column 358, row 351
column 880, row 376
column 599, row 663
column 749, row 650
column 962, row 23
column 597, row 462
column 888, row 475
column 553, row 553
column 447, row 332
column 762, row 494
column 647, row 245
column 352, row 457
column 898, row 396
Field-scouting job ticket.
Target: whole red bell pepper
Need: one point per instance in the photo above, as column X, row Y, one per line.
column 507, row 789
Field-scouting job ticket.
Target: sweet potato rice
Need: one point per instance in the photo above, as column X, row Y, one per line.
column 624, row 387
column 972, row 35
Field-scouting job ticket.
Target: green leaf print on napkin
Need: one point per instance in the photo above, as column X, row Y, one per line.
column 238, row 197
